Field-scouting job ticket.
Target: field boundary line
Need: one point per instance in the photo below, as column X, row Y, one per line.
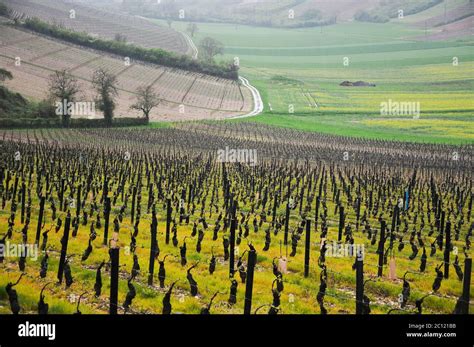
column 189, row 89
column 49, row 53
column 241, row 96
column 156, row 79
column 15, row 42
column 223, row 96
column 85, row 63
column 121, row 72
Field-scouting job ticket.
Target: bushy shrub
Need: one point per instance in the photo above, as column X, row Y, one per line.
column 364, row 16
column 20, row 122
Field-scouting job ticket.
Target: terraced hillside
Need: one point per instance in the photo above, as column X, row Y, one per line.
column 104, row 24
column 185, row 95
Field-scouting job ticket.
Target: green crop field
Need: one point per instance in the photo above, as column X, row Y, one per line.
column 298, row 72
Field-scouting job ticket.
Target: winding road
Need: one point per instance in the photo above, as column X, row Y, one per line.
column 257, row 99
column 192, row 45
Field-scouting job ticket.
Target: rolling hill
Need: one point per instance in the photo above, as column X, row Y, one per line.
column 103, row 24
column 451, row 18
column 185, row 95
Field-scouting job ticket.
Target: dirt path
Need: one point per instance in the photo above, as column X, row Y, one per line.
column 257, row 100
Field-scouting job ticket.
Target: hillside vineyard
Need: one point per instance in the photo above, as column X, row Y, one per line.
column 238, row 158
column 406, row 207
column 103, row 24
column 186, row 95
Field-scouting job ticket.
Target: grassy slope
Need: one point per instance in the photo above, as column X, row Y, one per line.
column 434, row 11
column 404, row 70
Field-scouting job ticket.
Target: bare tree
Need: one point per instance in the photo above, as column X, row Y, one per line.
column 147, row 99
column 63, row 87
column 120, row 38
column 105, row 85
column 210, row 48
column 4, row 10
column 5, row 75
column 192, row 29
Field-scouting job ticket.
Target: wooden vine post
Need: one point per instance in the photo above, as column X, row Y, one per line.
column 466, row 286
column 114, row 275
column 252, row 260
column 64, row 243
column 233, row 222
column 153, row 246
column 107, row 219
column 307, row 248
column 447, row 249
column 40, row 219
column 168, row 220
column 381, row 248
column 359, row 265
column 341, row 223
